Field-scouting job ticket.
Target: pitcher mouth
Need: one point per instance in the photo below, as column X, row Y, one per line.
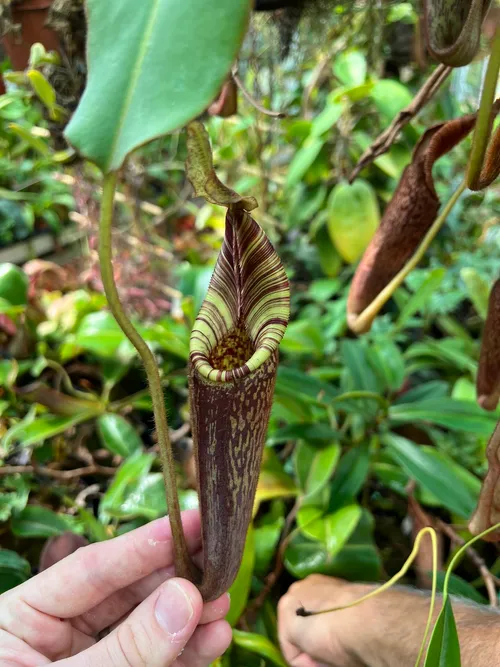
column 246, row 310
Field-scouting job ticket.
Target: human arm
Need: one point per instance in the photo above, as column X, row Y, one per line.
column 385, row 631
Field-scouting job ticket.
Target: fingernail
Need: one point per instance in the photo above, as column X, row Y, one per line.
column 173, row 609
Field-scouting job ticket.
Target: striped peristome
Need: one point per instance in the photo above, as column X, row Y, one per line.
column 246, row 310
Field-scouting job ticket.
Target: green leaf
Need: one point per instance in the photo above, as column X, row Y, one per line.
column 460, row 587
column 444, row 647
column 447, row 412
column 350, row 67
column 14, row 570
column 35, row 431
column 339, row 528
column 118, row 435
column 266, row 541
column 259, row 645
column 34, row 142
column 129, row 474
column 333, row 530
column 43, row 89
column 390, row 97
column 356, row 561
column 454, row 486
column 169, row 63
column 274, row 482
column 302, row 160
column 353, row 218
column 312, row 433
column 10, row 369
column 294, row 382
column 326, row 119
column 37, row 521
column 15, row 496
column 240, row 590
column 13, row 285
column 354, row 358
column 100, row 333
column 478, row 290
column 421, row 297
column 349, row 477
column 314, row 466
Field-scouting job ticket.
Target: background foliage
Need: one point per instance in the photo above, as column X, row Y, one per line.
column 361, row 428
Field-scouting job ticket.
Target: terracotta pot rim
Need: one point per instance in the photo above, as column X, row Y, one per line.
column 31, row 5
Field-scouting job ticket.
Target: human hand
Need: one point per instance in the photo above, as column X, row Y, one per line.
column 327, row 639
column 126, row 585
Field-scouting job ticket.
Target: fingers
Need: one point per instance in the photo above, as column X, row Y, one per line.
column 154, row 634
column 207, row 644
column 216, row 610
column 92, row 574
column 118, row 605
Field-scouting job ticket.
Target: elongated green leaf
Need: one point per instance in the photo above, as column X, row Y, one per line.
column 452, row 485
column 303, row 159
column 326, row 119
column 14, row 570
column 260, row 645
column 37, row 521
column 240, row 589
column 34, row 142
column 118, row 435
column 41, row 428
column 349, row 477
column 42, row 88
column 127, row 103
column 361, row 375
column 447, row 412
column 444, row 647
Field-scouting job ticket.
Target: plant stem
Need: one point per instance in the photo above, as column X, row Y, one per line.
column 363, row 320
column 184, row 565
column 460, row 554
column 484, row 121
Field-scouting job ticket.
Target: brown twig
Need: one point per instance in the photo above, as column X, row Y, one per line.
column 384, row 141
column 252, row 101
column 488, row 578
column 63, row 475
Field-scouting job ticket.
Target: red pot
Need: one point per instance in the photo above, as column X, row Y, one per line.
column 32, row 16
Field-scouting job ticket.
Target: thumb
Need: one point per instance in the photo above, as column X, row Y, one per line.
column 153, row 635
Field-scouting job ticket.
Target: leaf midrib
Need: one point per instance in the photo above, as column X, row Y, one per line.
column 136, row 72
